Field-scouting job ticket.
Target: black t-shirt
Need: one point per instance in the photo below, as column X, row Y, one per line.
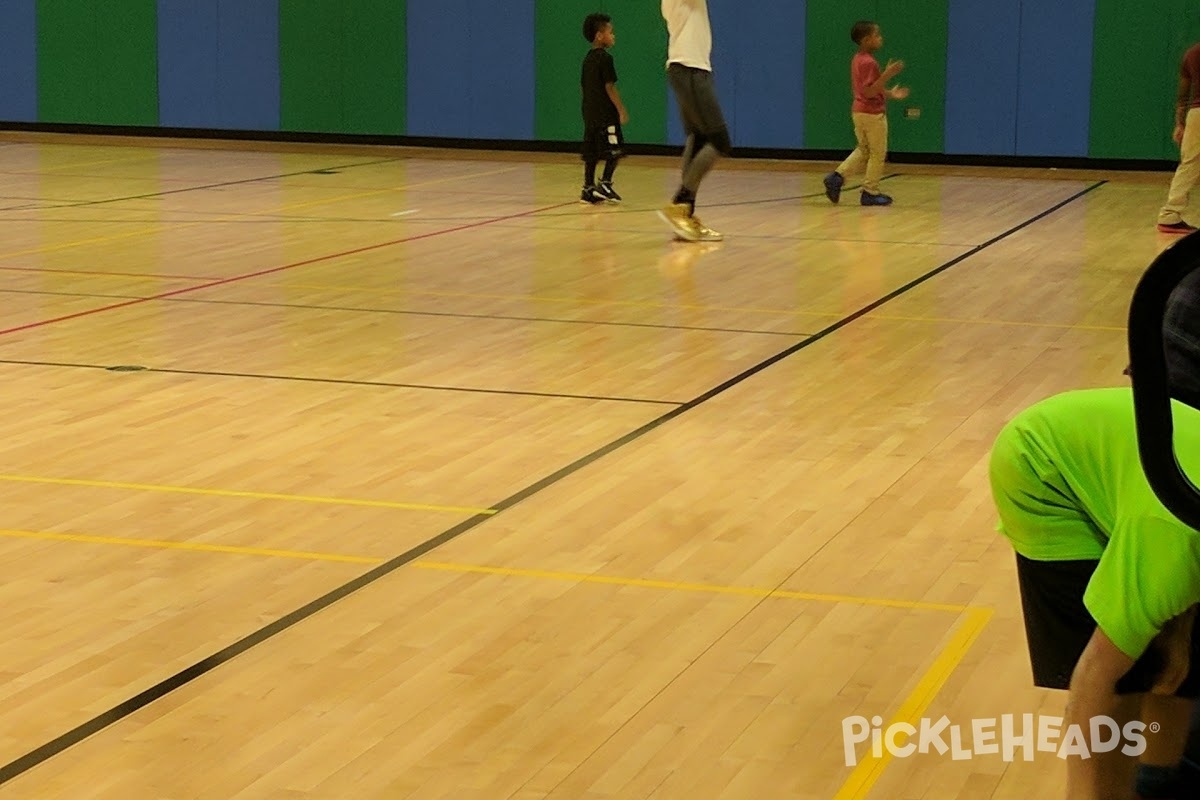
column 598, row 71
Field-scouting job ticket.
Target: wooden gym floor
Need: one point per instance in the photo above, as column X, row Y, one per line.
column 423, row 481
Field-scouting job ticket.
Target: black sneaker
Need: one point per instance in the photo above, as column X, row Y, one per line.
column 607, row 191
column 833, row 186
column 591, row 196
column 1181, row 228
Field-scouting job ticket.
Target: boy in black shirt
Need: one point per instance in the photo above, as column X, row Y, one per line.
column 603, row 111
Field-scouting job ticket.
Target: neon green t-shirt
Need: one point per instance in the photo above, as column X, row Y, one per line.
column 1069, row 485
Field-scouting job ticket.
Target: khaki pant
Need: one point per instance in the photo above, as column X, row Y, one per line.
column 871, row 131
column 1187, row 174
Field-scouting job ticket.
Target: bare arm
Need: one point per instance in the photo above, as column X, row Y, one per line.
column 615, row 96
column 1093, row 694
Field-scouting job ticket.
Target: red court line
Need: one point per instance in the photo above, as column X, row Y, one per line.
column 273, row 270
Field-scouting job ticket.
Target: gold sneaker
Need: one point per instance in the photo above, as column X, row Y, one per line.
column 679, row 217
column 707, row 234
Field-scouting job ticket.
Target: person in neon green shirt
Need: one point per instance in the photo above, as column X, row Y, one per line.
column 1109, row 578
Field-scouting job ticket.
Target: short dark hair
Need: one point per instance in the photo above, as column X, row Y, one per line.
column 594, row 24
column 862, row 29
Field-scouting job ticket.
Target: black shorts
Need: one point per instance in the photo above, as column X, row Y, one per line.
column 603, row 142
column 1058, row 628
column 697, row 97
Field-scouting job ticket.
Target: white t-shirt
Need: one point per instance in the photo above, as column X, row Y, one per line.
column 690, row 33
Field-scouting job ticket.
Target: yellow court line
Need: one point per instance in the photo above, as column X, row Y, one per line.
column 337, row 501
column 122, row 275
column 984, row 321
column 204, row 548
column 373, row 192
column 860, row 781
column 745, row 591
column 870, row 768
column 51, row 248
column 120, row 160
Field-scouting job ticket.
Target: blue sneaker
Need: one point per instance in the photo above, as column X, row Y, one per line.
column 869, row 199
column 833, row 186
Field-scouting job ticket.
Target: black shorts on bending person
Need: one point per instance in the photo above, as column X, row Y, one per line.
column 1058, row 628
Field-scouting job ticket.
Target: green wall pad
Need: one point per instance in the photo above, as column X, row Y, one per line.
column 914, row 31
column 342, row 66
column 1136, row 55
column 98, row 62
column 640, row 55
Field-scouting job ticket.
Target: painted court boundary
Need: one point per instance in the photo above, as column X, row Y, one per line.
column 273, row 270
column 859, row 783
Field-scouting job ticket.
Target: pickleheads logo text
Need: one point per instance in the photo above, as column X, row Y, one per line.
column 1006, row 737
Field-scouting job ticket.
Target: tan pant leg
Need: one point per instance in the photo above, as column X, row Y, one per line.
column 856, row 161
column 876, row 127
column 1186, row 174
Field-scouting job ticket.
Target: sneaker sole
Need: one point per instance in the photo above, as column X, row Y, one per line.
column 1175, row 231
column 679, row 232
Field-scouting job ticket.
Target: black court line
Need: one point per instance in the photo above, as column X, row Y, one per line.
column 74, row 294
column 241, row 182
column 409, row 312
column 264, row 220
column 267, row 218
column 612, row 210
column 36, row 199
column 340, row 382
column 513, row 318
column 226, row 654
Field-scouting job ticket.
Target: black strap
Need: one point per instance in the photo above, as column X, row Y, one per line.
column 1151, row 388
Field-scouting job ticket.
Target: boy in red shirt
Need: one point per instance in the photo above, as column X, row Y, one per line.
column 870, row 116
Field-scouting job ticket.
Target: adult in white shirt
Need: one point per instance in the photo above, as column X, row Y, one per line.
column 689, row 71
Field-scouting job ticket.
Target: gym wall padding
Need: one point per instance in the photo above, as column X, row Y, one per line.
column 1136, row 58
column 18, row 60
column 97, row 63
column 758, row 69
column 472, row 69
column 1053, row 78
column 1054, row 88
column 726, row 24
column 827, row 55
column 915, row 31
column 769, row 99
column 212, row 70
column 640, row 56
column 983, row 57
column 342, row 66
